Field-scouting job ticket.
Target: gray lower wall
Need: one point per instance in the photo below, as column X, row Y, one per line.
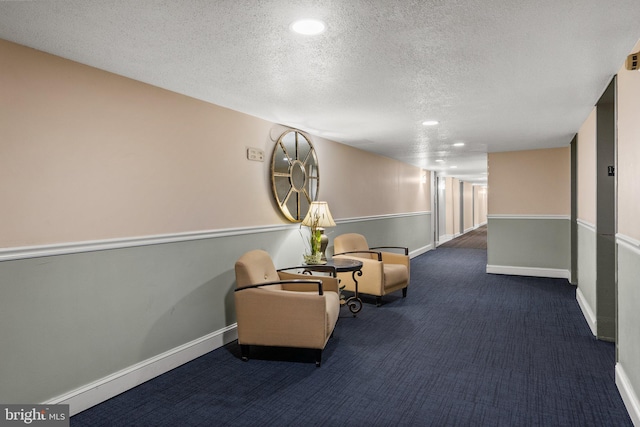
column 587, row 267
column 534, row 243
column 74, row 319
column 413, row 231
column 628, row 341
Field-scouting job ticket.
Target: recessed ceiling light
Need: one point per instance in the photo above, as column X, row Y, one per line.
column 430, row 122
column 439, row 161
column 454, row 167
column 308, row 27
column 459, row 144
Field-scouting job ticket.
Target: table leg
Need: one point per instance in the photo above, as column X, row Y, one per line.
column 354, row 302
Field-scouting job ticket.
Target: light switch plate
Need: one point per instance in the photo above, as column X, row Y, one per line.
column 255, row 154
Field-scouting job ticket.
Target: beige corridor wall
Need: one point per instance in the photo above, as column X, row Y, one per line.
column 628, row 169
column 455, row 185
column 628, row 240
column 532, row 182
column 480, row 215
column 80, row 147
column 357, row 183
column 586, row 170
column 157, row 200
column 468, row 206
column 586, row 294
column 529, row 213
column 449, row 209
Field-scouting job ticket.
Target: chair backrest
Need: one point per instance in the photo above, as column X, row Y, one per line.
column 255, row 267
column 351, row 242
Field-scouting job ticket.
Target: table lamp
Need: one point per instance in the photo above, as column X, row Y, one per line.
column 319, row 217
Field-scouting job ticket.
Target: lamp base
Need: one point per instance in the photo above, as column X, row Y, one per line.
column 324, row 241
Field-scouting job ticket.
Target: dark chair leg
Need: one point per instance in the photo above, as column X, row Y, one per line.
column 244, row 351
column 378, row 301
column 404, row 292
column 318, row 357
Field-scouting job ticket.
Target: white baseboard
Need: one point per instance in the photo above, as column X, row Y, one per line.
column 555, row 273
column 420, row 251
column 587, row 312
column 445, row 238
column 121, row 381
column 629, row 397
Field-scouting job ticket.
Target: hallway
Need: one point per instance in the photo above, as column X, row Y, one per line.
column 476, row 239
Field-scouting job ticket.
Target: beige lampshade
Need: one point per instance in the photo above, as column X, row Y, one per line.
column 321, row 211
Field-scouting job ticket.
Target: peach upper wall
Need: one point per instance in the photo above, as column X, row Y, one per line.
column 358, row 183
column 586, row 170
column 480, row 194
column 455, row 186
column 628, row 169
column 449, row 206
column 468, row 204
column 533, row 182
column 89, row 155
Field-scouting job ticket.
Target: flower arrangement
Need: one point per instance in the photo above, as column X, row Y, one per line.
column 313, row 254
column 318, row 217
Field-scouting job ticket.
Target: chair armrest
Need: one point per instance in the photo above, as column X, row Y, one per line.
column 405, row 249
column 309, row 268
column 394, row 258
column 329, row 283
column 286, row 281
column 297, row 267
column 377, row 253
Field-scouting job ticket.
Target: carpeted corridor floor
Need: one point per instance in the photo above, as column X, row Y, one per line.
column 474, row 239
column 463, row 349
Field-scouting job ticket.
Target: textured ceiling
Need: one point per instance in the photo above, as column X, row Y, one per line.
column 499, row 75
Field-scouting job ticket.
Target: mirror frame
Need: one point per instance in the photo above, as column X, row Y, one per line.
column 308, row 191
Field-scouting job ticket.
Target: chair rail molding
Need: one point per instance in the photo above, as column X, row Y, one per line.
column 628, row 242
column 518, row 216
column 378, row 217
column 37, row 251
column 587, row 225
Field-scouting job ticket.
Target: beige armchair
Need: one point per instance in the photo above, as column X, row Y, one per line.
column 281, row 309
column 383, row 272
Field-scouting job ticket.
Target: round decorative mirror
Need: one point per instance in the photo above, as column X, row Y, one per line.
column 294, row 174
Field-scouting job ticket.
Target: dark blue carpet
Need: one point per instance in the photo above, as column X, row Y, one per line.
column 463, row 349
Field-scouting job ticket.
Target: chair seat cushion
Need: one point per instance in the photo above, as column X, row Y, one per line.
column 395, row 274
